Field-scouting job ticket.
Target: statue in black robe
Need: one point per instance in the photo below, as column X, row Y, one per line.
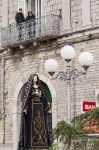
column 34, row 128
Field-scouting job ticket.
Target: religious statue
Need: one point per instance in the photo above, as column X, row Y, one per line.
column 34, row 129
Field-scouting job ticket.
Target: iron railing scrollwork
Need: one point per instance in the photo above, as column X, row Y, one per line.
column 32, row 29
column 69, row 74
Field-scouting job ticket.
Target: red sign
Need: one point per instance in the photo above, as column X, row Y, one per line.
column 88, row 106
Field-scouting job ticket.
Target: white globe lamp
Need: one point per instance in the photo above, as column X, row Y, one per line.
column 51, row 66
column 68, row 53
column 85, row 59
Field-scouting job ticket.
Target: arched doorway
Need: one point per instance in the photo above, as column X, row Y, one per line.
column 49, row 92
column 48, row 97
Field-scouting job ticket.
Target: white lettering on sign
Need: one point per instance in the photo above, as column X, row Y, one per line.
column 89, row 106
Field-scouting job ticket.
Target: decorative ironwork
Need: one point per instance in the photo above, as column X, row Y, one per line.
column 44, row 27
column 69, row 74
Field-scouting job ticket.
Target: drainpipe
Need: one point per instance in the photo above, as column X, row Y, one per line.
column 3, row 88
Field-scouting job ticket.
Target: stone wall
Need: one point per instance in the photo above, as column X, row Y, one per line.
column 83, row 14
column 13, row 8
column 0, row 12
column 95, row 12
column 53, row 6
column 21, row 65
column 76, row 14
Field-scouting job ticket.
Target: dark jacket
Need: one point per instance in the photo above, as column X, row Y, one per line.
column 19, row 18
column 30, row 17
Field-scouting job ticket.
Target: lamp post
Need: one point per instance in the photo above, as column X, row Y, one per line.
column 85, row 59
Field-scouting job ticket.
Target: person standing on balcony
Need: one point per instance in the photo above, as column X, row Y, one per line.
column 30, row 16
column 19, row 17
column 30, row 20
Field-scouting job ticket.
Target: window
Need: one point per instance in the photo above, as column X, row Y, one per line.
column 30, row 5
column 23, row 4
column 35, row 7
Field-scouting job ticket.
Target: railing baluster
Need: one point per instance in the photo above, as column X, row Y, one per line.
column 26, row 31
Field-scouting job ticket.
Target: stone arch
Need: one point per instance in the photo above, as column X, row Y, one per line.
column 16, row 113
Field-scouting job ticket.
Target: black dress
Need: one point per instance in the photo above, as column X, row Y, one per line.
column 34, row 131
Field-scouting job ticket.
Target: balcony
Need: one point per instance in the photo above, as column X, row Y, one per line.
column 41, row 29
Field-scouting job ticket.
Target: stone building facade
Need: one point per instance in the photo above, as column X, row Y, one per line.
column 79, row 21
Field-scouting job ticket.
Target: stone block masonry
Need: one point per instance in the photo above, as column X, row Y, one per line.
column 18, row 67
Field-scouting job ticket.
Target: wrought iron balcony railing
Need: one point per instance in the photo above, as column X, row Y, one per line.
column 42, row 28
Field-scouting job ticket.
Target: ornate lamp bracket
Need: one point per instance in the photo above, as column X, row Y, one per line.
column 69, row 74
